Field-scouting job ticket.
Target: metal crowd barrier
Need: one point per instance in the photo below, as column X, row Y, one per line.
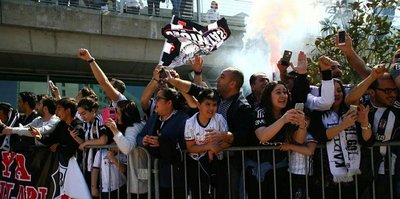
column 370, row 192
column 141, row 174
column 242, row 151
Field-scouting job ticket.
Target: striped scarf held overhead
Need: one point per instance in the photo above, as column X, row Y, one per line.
column 343, row 151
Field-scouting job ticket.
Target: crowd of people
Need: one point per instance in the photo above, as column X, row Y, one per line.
column 135, row 6
column 290, row 115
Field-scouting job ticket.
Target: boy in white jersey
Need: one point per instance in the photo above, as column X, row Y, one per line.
column 203, row 150
column 111, row 165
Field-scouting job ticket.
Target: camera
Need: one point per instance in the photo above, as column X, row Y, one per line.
column 163, row 73
column 109, row 112
column 287, row 55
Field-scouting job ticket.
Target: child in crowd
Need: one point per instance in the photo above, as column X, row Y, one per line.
column 213, row 14
column 300, row 163
column 112, row 165
column 199, row 130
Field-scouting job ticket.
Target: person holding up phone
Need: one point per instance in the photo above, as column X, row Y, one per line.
column 125, row 131
column 384, row 123
column 276, row 122
column 344, row 136
column 346, row 46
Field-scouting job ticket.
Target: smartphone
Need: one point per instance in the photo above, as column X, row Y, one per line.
column 70, row 127
column 342, row 37
column 387, row 65
column 163, row 74
column 109, row 112
column 287, row 55
column 353, row 108
column 77, row 127
column 51, row 84
column 299, row 106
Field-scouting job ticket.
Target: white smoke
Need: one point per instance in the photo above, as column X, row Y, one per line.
column 274, row 26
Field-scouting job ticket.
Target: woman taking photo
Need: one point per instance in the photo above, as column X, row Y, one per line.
column 340, row 130
column 275, row 124
column 125, row 132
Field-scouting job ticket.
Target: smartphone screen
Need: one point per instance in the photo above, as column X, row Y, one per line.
column 342, row 37
column 353, row 108
column 299, row 106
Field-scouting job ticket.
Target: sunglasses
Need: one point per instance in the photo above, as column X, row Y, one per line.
column 160, row 97
column 388, row 90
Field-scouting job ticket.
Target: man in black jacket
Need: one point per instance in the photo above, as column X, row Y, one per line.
column 235, row 109
column 62, row 140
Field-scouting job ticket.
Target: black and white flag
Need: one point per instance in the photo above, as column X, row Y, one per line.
column 185, row 39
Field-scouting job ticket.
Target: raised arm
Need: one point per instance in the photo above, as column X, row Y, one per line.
column 55, row 91
column 197, row 66
column 100, row 76
column 180, row 84
column 357, row 92
column 301, row 86
column 325, row 101
column 282, row 70
column 150, row 89
column 126, row 143
column 44, row 130
column 352, row 57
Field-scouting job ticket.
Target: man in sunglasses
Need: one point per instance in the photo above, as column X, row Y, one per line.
column 384, row 120
column 358, row 64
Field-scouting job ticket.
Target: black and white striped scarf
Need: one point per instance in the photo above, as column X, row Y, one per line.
column 343, row 150
column 92, row 132
column 185, row 39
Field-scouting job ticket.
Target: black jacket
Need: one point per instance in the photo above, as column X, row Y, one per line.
column 67, row 146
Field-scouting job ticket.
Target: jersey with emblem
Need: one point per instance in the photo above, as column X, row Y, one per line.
column 194, row 131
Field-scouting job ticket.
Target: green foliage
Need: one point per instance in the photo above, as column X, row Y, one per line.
column 374, row 37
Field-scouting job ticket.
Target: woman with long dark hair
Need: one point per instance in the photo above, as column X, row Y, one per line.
column 339, row 128
column 125, row 131
column 276, row 123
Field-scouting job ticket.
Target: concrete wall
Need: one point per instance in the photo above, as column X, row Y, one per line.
column 58, row 31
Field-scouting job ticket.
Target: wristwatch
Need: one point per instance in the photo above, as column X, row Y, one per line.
column 366, row 127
